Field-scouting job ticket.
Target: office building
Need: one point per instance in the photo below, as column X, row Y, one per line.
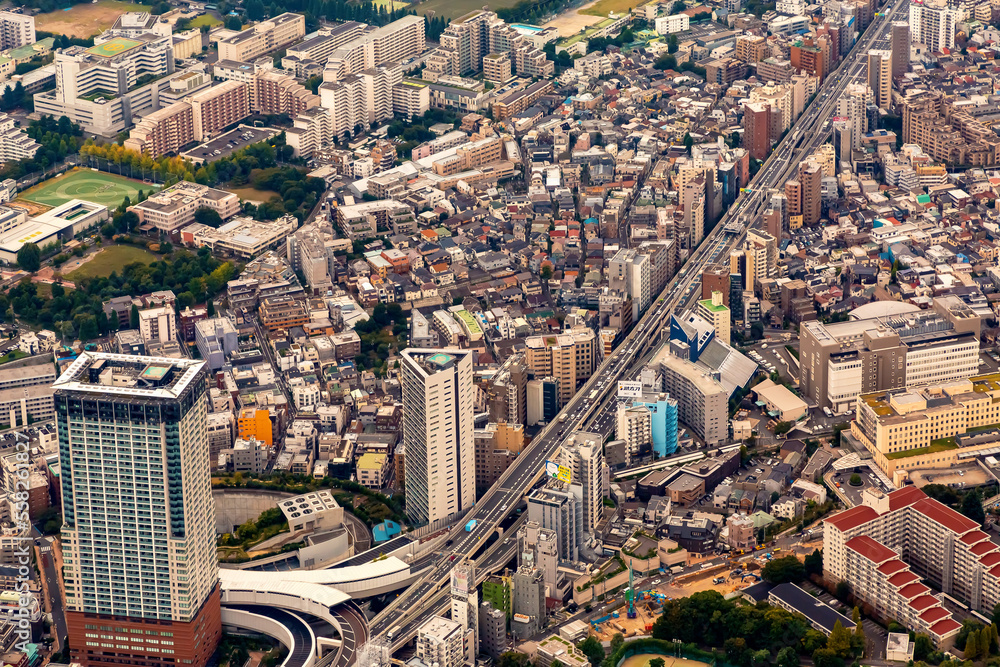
column 172, row 208
column 561, row 512
column 218, row 107
column 714, row 311
column 880, row 76
column 492, row 630
column 438, row 397
column 900, row 46
column 570, row 357
column 216, row 339
column 465, row 606
column 933, row 25
column 441, row 642
column 839, row 361
column 140, row 566
column 263, row 38
column 255, row 424
column 757, row 260
column 757, row 129
column 543, row 400
column 104, row 86
column 16, row 30
column 891, row 548
column 527, row 602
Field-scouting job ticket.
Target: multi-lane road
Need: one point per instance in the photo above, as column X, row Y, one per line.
column 809, row 131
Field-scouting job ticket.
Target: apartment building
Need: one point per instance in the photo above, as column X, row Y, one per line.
column 104, row 86
column 362, row 98
column 757, row 129
column 714, row 311
column 441, row 642
column 888, row 546
column 634, row 425
column 570, row 357
column 158, row 325
column 410, row 99
column 281, row 94
column 933, row 25
column 218, row 107
column 320, row 47
column 311, row 131
column 438, row 395
column 283, row 312
column 643, row 272
column 702, row 401
column 519, row 100
column 392, row 43
column 880, row 76
column 497, row 67
column 751, row 48
column 174, row 207
column 156, row 593
column 757, row 260
column 363, row 221
column 164, row 131
column 839, row 361
column 16, row 30
column 15, row 144
column 469, row 39
column 667, row 25
column 263, row 38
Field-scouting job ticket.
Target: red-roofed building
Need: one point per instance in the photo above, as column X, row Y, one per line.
column 872, row 550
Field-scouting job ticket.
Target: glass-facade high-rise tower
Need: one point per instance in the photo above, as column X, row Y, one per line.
column 141, row 573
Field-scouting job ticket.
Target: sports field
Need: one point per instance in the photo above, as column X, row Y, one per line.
column 87, row 19
column 94, row 186
column 109, row 259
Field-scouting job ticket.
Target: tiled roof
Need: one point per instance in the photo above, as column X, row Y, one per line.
column 934, row 614
column 990, row 559
column 904, row 497
column 852, row 518
column 945, row 627
column 913, row 590
column 891, row 566
column 923, row 602
column 975, row 536
column 983, row 548
column 944, row 515
column 870, row 549
column 902, row 578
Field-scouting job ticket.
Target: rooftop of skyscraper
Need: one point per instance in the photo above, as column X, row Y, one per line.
column 123, row 374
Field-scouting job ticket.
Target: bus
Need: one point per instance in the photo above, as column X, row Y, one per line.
column 392, row 633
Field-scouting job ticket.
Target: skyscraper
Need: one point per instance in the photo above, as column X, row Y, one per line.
column 900, row 46
column 582, row 453
column 438, row 432
column 141, row 574
column 880, row 76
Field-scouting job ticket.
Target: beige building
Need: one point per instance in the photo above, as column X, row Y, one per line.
column 218, row 107
column 880, row 76
column 570, row 357
column 496, row 67
column 281, row 94
column 714, row 312
column 751, row 48
column 933, row 426
column 263, row 38
column 373, row 470
column 158, row 325
column 163, row 131
column 175, row 206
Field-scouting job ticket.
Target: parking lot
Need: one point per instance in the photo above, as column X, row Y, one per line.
column 224, row 145
column 868, row 480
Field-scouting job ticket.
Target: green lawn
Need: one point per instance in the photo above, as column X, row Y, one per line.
column 93, row 186
column 12, row 355
column 940, row 445
column 603, row 7
column 205, row 19
column 109, row 259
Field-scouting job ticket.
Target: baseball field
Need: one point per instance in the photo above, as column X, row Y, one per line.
column 93, row 186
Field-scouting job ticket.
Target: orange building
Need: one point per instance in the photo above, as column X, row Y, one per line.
column 808, row 57
column 255, row 423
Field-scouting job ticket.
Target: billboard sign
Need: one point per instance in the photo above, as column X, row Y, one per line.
column 628, row 389
column 556, row 471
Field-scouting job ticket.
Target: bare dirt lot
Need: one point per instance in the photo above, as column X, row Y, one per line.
column 571, row 22
column 85, row 20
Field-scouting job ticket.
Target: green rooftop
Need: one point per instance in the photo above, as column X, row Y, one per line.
column 114, row 47
column 940, row 445
column 712, row 308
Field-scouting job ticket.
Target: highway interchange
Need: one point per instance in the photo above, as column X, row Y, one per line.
column 421, row 600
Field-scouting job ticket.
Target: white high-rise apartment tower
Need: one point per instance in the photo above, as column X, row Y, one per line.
column 16, row 30
column 465, row 606
column 138, row 518
column 933, row 25
column 438, row 407
column 582, row 453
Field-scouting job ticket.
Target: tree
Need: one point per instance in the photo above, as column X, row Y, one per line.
column 514, row 659
column 787, row 657
column 971, row 649
column 655, row 662
column 593, row 649
column 736, row 649
column 29, row 257
column 922, row 647
column 824, row 657
column 994, row 638
column 855, row 480
column 672, row 45
column 546, row 272
column 233, row 23
column 616, row 642
column 688, row 142
column 133, row 318
column 782, row 427
column 814, row 562
column 208, row 216
column 840, row 641
column 784, row 570
column 972, row 504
